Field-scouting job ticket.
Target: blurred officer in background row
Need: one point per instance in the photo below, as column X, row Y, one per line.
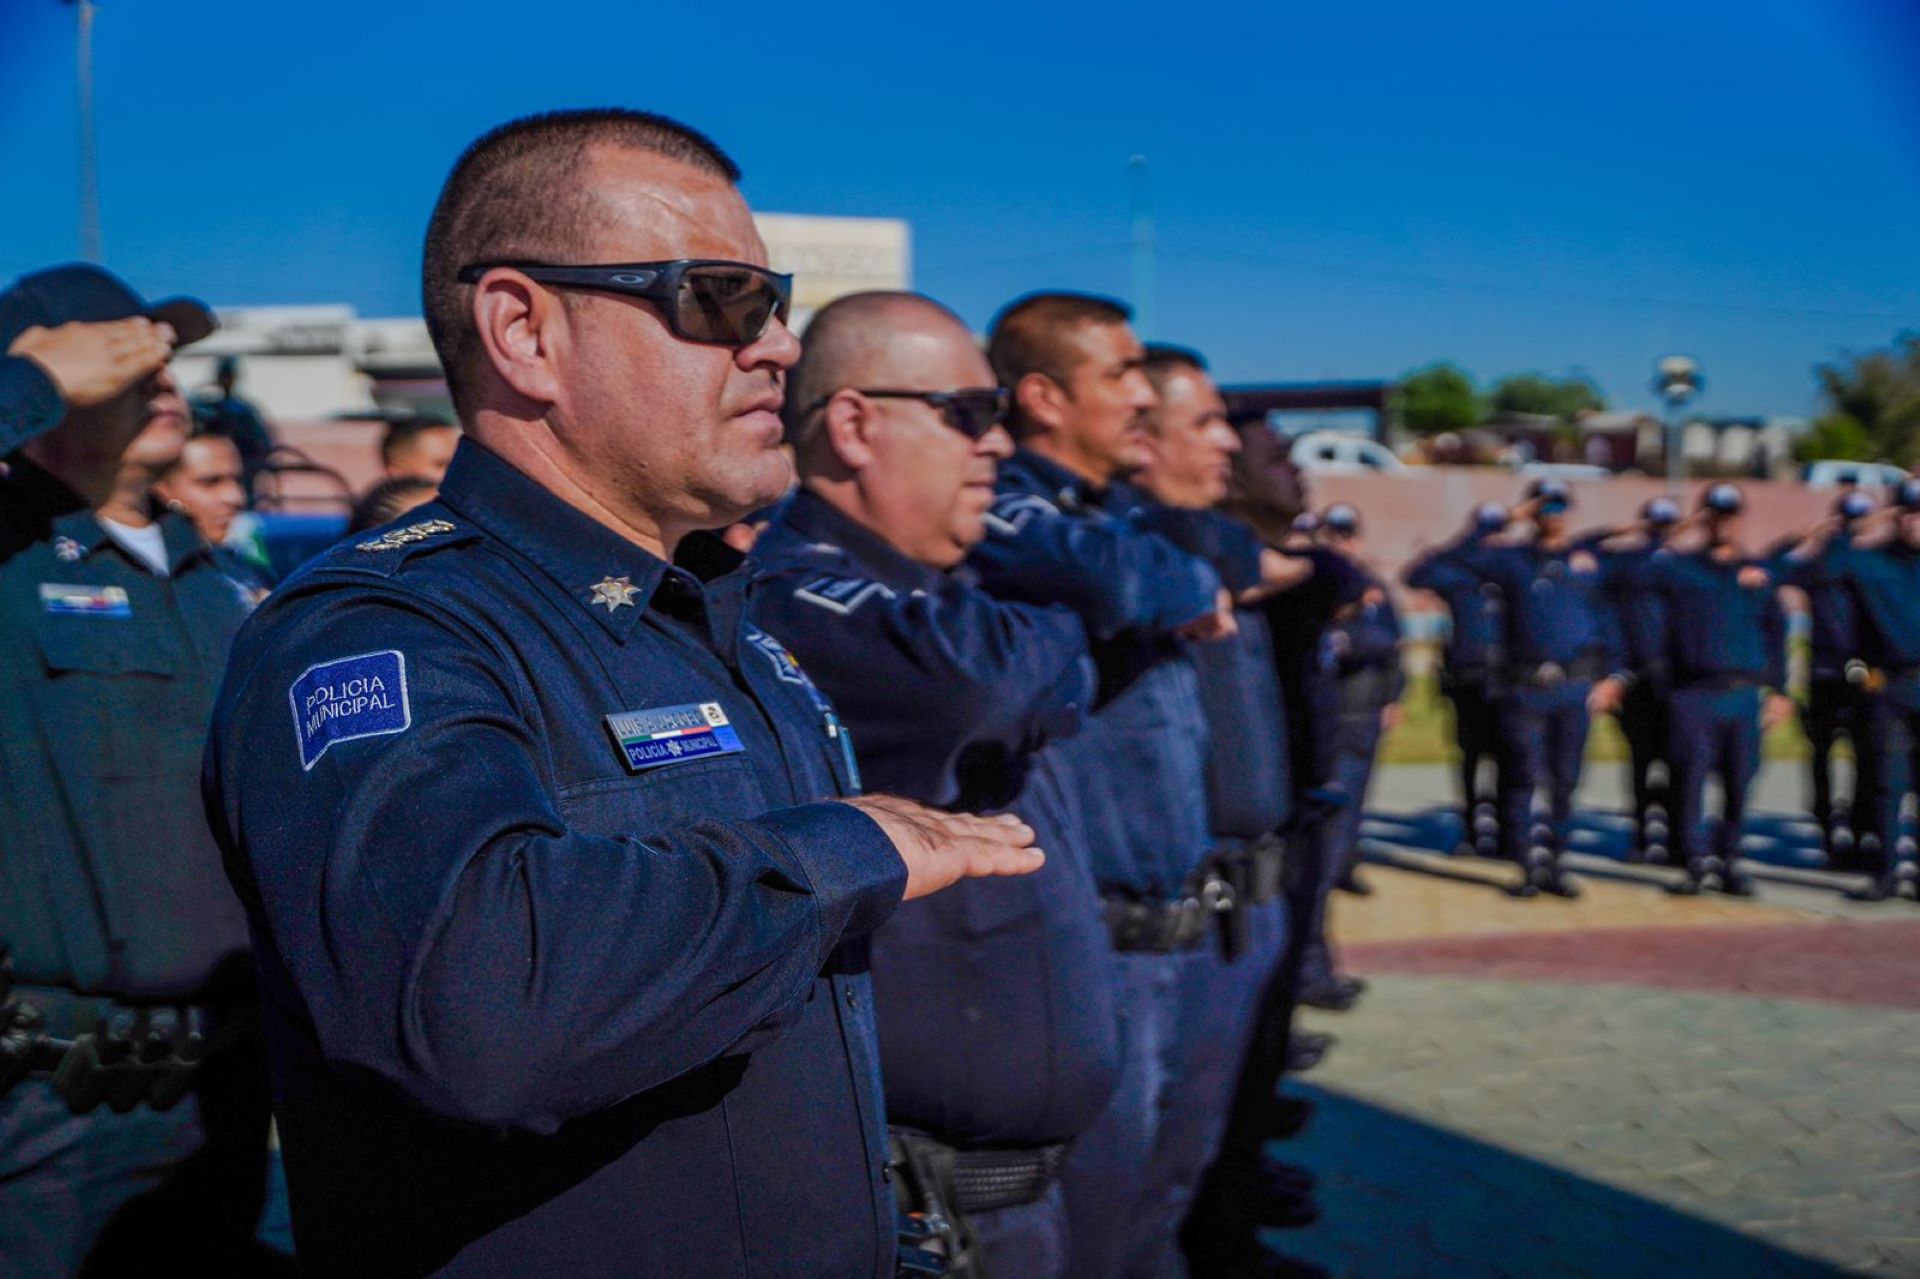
column 1640, row 616
column 202, row 482
column 133, row 1106
column 1882, row 577
column 562, row 951
column 1558, row 636
column 1364, row 665
column 220, row 409
column 1059, row 533
column 418, row 448
column 998, row 1037
column 1836, row 705
column 1470, row 670
column 1725, row 641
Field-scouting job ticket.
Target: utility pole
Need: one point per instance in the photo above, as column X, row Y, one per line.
column 1141, row 181
column 89, row 174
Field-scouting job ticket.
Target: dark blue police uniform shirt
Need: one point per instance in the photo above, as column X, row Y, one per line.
column 1884, row 582
column 551, row 926
column 1473, row 608
column 1718, row 627
column 29, row 402
column 1833, row 623
column 1554, row 604
column 1139, row 765
column 109, row 881
column 1639, row 613
column 1249, row 783
column 952, row 698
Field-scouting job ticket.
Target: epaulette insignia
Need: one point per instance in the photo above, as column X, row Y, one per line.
column 397, row 538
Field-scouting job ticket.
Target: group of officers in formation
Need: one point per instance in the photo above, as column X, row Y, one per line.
column 622, row 864
column 1677, row 626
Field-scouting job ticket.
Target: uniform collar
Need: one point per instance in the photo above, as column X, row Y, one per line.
column 1068, row 491
column 814, row 519
column 585, row 558
column 45, row 501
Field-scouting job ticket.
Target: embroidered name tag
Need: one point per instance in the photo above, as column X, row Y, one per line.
column 85, row 601
column 364, row 696
column 669, row 734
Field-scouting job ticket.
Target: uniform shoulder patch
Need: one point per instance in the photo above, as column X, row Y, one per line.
column 842, row 595
column 1009, row 514
column 349, row 698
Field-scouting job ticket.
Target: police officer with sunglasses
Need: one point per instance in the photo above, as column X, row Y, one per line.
column 561, row 926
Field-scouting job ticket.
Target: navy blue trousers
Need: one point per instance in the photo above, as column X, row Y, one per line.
column 1475, row 732
column 1108, row 1177
column 1716, row 732
column 1543, row 738
column 1027, row 1239
column 1893, row 733
column 1646, row 724
column 1334, row 846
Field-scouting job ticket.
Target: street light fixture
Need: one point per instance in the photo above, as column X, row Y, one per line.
column 1677, row 380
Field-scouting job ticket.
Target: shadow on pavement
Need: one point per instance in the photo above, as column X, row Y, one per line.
column 1403, row 1198
column 1775, row 847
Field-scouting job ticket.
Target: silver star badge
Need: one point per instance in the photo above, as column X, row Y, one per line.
column 614, row 592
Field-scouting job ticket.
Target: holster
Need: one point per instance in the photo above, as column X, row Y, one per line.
column 935, row 1237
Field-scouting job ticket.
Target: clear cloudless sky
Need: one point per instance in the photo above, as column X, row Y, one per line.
column 1341, row 190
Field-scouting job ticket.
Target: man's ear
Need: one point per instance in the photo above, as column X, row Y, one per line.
column 850, row 422
column 522, row 329
column 1042, row 401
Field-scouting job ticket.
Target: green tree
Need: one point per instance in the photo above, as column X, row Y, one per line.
column 1564, row 398
column 1439, row 398
column 1878, row 394
column 1834, row 436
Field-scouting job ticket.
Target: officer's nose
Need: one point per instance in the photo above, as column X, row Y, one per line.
column 776, row 347
column 996, row 444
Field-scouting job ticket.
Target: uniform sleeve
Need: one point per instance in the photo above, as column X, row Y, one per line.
column 1229, row 546
column 916, row 675
column 30, row 404
column 1773, row 631
column 1117, row 578
column 444, row 926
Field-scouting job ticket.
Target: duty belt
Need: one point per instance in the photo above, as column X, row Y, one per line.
column 1164, row 927
column 1554, row 674
column 98, row 1051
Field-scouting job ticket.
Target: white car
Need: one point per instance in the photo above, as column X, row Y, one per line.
column 1830, row 473
column 1338, row 453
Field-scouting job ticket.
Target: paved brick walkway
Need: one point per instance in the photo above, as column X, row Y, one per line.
column 1629, row 1084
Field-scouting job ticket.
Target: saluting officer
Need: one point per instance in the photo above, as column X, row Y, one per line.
column 1883, row 578
column 1557, row 635
column 133, row 1105
column 998, row 1036
column 1725, row 645
column 561, row 941
column 1645, row 721
column 1060, row 532
column 1470, row 670
column 1836, row 704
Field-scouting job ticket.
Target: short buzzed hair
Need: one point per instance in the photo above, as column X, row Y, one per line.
column 402, row 431
column 1163, row 359
column 841, row 341
column 516, row 194
column 1034, row 334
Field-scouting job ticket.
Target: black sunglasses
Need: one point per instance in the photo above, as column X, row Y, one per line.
column 705, row 300
column 972, row 412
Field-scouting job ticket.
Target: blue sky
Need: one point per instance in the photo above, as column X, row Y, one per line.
column 1342, row 190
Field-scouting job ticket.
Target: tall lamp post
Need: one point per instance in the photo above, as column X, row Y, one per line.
column 1677, row 380
column 89, row 178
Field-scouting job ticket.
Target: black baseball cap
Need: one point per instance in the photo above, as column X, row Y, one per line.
column 1341, row 518
column 1661, row 511
column 1853, row 506
column 1908, row 495
column 1490, row 516
column 86, row 293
